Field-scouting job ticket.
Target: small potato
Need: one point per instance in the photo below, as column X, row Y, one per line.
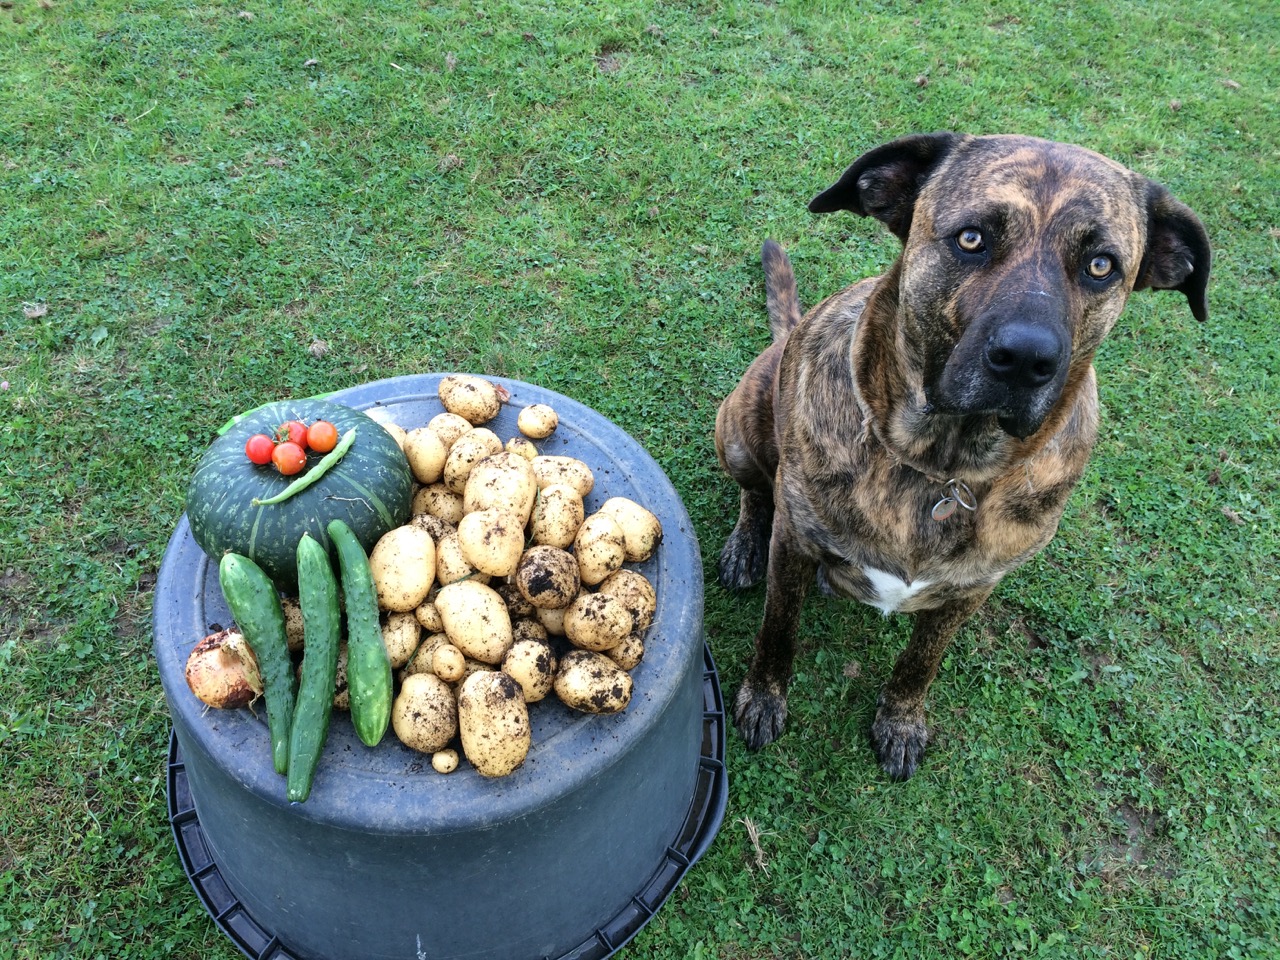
column 403, row 563
column 634, row 590
column 474, row 399
column 452, row 564
column 547, row 577
column 551, row 619
column 597, row 621
column 469, row 449
column 426, row 454
column 425, row 714
column 476, row 620
column 439, row 501
column 504, row 481
column 568, row 470
column 223, row 672
column 292, row 623
column 492, row 541
column 448, row 663
column 528, row 629
column 599, row 548
column 521, row 446
column 448, row 427
column 538, row 421
column 427, row 614
column 628, row 653
column 444, row 761
column 532, row 664
column 592, row 683
column 556, row 516
column 494, row 723
column 641, row 529
column 400, row 635
column 421, row 661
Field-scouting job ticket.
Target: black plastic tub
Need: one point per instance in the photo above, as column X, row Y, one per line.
column 567, row 857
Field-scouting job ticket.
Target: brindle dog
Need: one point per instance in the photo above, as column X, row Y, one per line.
column 913, row 438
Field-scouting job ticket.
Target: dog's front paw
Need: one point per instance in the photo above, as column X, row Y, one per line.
column 745, row 557
column 760, row 711
column 899, row 738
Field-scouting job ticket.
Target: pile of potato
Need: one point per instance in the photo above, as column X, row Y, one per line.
column 500, row 568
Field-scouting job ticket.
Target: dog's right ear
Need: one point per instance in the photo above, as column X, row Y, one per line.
column 885, row 182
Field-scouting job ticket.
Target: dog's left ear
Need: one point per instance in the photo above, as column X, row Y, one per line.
column 1177, row 255
column 885, row 182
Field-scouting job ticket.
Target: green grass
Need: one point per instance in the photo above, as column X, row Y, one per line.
column 575, row 195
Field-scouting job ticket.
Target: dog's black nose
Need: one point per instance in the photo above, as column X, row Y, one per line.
column 1023, row 355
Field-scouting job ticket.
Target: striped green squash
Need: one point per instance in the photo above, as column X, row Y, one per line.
column 370, row 489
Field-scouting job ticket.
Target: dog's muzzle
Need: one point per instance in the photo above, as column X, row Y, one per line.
column 1012, row 363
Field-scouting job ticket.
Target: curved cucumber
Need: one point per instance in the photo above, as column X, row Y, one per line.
column 321, row 630
column 368, row 666
column 255, row 605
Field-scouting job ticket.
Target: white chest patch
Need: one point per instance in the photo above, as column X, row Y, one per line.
column 892, row 592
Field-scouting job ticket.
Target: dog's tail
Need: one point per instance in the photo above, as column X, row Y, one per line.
column 781, row 295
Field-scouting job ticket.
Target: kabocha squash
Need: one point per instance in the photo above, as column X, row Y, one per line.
column 370, row 489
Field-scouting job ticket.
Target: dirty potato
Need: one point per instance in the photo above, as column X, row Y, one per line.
column 468, row 450
column 449, row 427
column 452, row 564
column 532, row 664
column 474, row 399
column 426, row 454
column 547, row 577
column 400, row 635
column 628, row 653
column 556, row 516
column 492, row 541
column 437, row 500
column 425, row 713
column 597, row 621
column 448, row 663
column 592, row 683
column 634, row 590
column 502, row 481
column 494, row 723
column 570, row 470
column 521, row 446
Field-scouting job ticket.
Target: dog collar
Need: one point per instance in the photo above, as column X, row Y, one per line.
column 958, row 495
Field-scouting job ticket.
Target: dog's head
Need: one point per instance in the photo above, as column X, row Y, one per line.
column 1019, row 255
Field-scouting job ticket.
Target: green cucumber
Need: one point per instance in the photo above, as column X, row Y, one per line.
column 255, row 605
column 368, row 666
column 321, row 631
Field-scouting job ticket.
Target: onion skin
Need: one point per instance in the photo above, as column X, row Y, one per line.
column 223, row 672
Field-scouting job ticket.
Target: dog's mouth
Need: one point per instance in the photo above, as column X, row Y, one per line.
column 1013, row 370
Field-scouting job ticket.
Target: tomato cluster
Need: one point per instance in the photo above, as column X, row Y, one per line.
column 287, row 447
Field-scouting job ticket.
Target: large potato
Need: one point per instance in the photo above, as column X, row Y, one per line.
column 532, row 664
column 494, row 723
column 476, row 620
column 492, row 541
column 557, row 516
column 641, row 529
column 502, row 481
column 403, row 563
column 474, row 399
column 634, row 590
column 568, row 470
column 592, row 683
column 596, row 621
column 468, row 450
column 426, row 454
column 425, row 714
column 599, row 548
column 438, row 500
column 547, row 577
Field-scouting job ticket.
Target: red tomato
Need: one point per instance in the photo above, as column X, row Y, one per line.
column 259, row 448
column 295, row 431
column 322, row 436
column 289, row 458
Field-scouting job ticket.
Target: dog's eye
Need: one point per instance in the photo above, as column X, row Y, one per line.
column 970, row 240
column 1100, row 267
